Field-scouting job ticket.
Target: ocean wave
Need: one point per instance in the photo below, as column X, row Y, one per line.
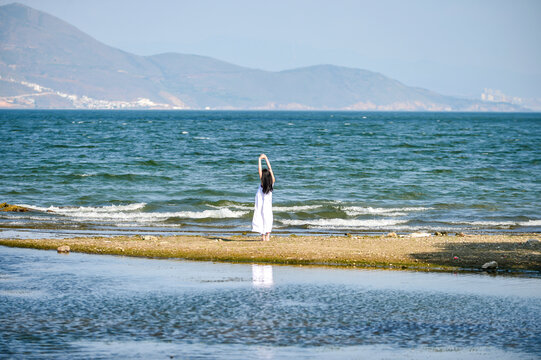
column 232, row 206
column 349, row 210
column 275, row 208
column 500, row 224
column 335, row 205
column 88, row 209
column 530, row 223
column 343, row 223
column 28, row 216
column 358, row 210
column 125, row 176
column 490, row 223
column 153, row 217
column 213, row 214
column 295, row 208
column 130, row 212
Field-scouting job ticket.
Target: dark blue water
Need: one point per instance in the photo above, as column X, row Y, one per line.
column 159, row 171
column 81, row 306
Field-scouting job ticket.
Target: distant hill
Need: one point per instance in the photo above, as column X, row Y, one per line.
column 48, row 63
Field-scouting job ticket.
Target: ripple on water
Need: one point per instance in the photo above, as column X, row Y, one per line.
column 95, row 302
column 88, row 159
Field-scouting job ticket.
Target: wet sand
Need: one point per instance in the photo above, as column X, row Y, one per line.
column 433, row 253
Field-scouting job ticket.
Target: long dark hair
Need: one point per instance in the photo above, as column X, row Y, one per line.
column 266, row 181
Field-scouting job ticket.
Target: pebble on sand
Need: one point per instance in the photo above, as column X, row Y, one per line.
column 419, row 234
column 63, row 249
column 489, row 265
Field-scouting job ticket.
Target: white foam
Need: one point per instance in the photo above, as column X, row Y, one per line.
column 349, row 210
column 153, row 217
column 28, row 216
column 502, row 224
column 215, row 214
column 275, row 208
column 88, row 209
column 131, row 213
column 491, row 223
column 423, row 228
column 234, row 206
column 530, row 223
column 343, row 223
column 358, row 210
column 295, row 208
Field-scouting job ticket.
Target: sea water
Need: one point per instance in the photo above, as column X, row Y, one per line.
column 110, row 172
column 80, row 306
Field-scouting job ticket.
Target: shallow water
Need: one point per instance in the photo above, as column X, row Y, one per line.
column 81, row 306
column 196, row 171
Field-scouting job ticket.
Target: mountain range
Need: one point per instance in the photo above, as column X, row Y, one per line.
column 48, row 63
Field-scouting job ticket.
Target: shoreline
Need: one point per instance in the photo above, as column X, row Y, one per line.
column 513, row 253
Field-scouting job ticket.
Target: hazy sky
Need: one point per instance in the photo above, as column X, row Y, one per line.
column 453, row 47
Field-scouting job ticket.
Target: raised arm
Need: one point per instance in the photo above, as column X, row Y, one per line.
column 263, row 156
column 259, row 166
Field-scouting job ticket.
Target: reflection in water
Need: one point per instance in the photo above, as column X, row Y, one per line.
column 262, row 275
column 106, row 307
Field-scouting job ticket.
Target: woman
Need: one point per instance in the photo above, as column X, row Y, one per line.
column 262, row 220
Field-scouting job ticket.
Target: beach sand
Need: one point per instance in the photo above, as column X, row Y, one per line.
column 433, row 253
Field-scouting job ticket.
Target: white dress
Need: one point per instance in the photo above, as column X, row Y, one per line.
column 262, row 220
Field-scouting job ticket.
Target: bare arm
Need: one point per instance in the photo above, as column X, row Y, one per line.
column 269, row 166
column 259, row 166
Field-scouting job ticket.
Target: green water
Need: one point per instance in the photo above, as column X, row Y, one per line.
column 171, row 172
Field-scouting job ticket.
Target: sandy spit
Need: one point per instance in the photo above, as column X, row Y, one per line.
column 432, row 253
